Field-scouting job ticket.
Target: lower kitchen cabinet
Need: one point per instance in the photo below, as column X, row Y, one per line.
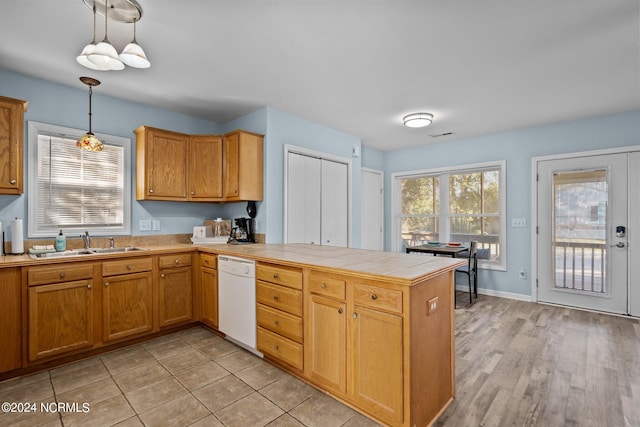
column 10, row 319
column 60, row 318
column 175, row 289
column 209, row 290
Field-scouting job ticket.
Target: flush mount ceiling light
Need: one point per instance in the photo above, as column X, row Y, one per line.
column 103, row 56
column 417, row 120
column 88, row 141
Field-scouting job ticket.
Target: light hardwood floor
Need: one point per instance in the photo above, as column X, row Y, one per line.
column 527, row 364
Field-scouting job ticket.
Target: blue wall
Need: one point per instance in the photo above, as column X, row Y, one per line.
column 517, row 148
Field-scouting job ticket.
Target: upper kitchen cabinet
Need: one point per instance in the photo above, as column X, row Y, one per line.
column 11, row 143
column 161, row 164
column 243, row 166
column 198, row 168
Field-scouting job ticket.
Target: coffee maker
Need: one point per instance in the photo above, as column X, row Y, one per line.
column 243, row 231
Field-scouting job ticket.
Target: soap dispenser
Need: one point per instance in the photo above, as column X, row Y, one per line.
column 61, row 242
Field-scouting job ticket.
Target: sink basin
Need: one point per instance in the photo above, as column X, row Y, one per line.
column 62, row 254
column 116, row 250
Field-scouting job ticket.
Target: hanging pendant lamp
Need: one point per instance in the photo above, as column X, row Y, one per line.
column 89, row 141
column 133, row 55
column 104, row 55
column 89, row 49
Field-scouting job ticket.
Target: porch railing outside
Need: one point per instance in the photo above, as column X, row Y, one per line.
column 580, row 266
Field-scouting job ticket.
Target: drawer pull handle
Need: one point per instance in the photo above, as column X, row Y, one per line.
column 129, row 267
column 177, row 261
column 206, row 261
column 275, row 275
column 276, row 297
column 193, row 192
column 340, row 310
column 62, row 275
column 374, row 297
column 151, row 190
column 162, row 275
column 276, row 323
column 89, row 286
column 106, row 284
column 323, row 286
column 355, row 315
column 13, row 181
column 276, row 347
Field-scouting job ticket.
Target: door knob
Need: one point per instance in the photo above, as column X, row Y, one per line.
column 618, row 245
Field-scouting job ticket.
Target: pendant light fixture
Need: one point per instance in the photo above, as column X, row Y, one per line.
column 133, row 55
column 89, row 141
column 104, row 55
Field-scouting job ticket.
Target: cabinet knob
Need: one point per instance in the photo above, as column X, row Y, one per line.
column 89, row 286
column 275, row 297
column 355, row 315
column 106, row 284
column 340, row 310
column 374, row 297
column 323, row 286
column 129, row 267
column 206, row 261
column 193, row 192
column 275, row 322
column 276, row 347
column 275, row 275
column 13, row 181
column 177, row 261
column 62, row 275
column 151, row 190
column 162, row 275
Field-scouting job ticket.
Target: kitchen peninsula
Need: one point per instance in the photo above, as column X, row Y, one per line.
column 373, row 329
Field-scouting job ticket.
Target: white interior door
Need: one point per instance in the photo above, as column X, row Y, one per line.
column 303, row 199
column 371, row 205
column 583, row 255
column 334, row 228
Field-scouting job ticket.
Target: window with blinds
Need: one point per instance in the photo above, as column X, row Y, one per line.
column 76, row 190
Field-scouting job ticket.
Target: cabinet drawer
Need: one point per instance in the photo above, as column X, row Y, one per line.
column 177, row 260
column 280, row 322
column 280, row 275
column 280, row 348
column 379, row 298
column 208, row 260
column 280, row 297
column 126, row 266
column 334, row 288
column 57, row 274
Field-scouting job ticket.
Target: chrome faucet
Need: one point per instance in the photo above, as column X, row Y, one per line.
column 112, row 243
column 86, row 239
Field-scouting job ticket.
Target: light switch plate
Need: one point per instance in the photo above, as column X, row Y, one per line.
column 518, row 222
column 156, row 225
column 144, row 225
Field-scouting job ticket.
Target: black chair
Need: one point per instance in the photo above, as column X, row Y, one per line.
column 471, row 269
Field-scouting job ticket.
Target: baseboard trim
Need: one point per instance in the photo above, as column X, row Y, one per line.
column 499, row 294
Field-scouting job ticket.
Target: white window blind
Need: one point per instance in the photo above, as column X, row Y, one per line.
column 77, row 190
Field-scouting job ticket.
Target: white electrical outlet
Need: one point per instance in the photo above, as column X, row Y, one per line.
column 518, row 222
column 156, row 225
column 144, row 225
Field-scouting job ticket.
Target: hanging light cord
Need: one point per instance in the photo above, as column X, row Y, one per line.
column 90, row 93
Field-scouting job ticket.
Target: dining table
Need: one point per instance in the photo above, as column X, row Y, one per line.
column 438, row 249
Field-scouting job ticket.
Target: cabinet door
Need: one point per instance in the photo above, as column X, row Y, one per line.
column 10, row 319
column 231, row 165
column 60, row 318
column 175, row 296
column 209, row 282
column 335, row 204
column 167, row 165
column 127, row 305
column 205, row 171
column 377, row 370
column 11, row 143
column 325, row 343
column 303, row 199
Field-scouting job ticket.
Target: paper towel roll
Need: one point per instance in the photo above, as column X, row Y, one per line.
column 17, row 242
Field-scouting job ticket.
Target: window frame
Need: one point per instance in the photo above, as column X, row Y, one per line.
column 445, row 215
column 37, row 128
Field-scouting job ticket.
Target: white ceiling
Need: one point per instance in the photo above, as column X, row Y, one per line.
column 358, row 66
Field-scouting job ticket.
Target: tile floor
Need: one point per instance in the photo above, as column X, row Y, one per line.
column 190, row 378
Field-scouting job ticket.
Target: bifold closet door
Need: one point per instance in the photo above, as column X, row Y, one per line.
column 334, row 226
column 303, row 199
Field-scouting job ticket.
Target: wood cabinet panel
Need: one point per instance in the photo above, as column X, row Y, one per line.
column 289, row 277
column 175, row 296
column 209, row 288
column 205, row 169
column 243, row 166
column 127, row 305
column 377, row 368
column 327, row 286
column 281, row 348
column 279, row 297
column 281, row 323
column 209, row 260
column 231, row 165
column 126, row 266
column 60, row 273
column 378, row 298
column 326, row 343
column 177, row 260
column 60, row 318
column 10, row 319
column 11, row 145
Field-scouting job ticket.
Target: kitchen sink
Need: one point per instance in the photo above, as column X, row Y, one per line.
column 117, row 250
column 90, row 251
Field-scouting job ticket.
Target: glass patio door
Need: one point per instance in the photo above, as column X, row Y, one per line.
column 583, row 232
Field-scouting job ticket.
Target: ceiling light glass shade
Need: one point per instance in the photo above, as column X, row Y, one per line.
column 89, row 142
column 105, row 57
column 83, row 58
column 418, row 120
column 134, row 56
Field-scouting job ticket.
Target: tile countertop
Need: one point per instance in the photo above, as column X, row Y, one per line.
column 405, row 269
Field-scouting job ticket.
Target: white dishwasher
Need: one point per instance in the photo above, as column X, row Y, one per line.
column 237, row 301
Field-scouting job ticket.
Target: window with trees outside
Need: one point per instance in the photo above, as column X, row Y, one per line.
column 454, row 205
column 75, row 190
